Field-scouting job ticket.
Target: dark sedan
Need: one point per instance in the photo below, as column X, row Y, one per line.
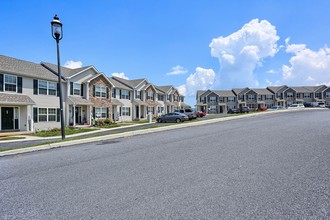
column 173, row 117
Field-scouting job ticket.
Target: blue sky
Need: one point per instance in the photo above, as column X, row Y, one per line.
column 189, row 44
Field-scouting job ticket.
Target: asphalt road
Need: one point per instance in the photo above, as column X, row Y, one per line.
column 267, row 167
column 20, row 144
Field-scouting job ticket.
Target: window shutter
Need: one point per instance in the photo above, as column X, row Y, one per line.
column 115, row 90
column 94, row 112
column 107, row 92
column 141, row 95
column 82, row 90
column 35, row 115
column 1, row 82
column 19, row 84
column 107, row 112
column 58, row 115
column 58, row 90
column 120, row 93
column 71, row 88
column 129, row 111
column 93, row 90
column 120, row 111
column 129, row 95
column 35, row 87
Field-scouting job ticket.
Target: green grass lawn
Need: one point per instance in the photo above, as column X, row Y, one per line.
column 68, row 131
column 11, row 138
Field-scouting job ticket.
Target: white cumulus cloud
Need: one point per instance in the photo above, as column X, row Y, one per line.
column 177, row 70
column 73, row 64
column 182, row 90
column 120, row 75
column 202, row 79
column 307, row 67
column 241, row 52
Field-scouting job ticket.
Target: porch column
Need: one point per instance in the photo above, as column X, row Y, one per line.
column 74, row 115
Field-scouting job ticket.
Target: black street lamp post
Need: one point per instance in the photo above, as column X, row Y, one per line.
column 57, row 34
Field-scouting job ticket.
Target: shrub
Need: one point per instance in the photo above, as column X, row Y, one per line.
column 100, row 122
column 107, row 121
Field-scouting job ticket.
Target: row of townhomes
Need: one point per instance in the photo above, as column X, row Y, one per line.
column 220, row 101
column 29, row 96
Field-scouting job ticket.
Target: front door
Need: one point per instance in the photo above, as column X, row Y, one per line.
column 137, row 110
column 7, row 118
column 78, row 115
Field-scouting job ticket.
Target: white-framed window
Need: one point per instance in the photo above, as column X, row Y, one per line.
column 101, row 112
column 52, row 114
column 307, row 95
column 327, row 94
column 213, row 99
column 213, row 108
column 76, row 88
column 42, row 114
column 150, row 95
column 160, row 97
column 42, row 87
column 125, row 111
column 269, row 97
column 250, row 97
column 289, row 94
column 124, row 94
column 101, row 91
column 137, row 94
column 176, row 98
column 231, row 99
column 10, row 83
column 52, row 88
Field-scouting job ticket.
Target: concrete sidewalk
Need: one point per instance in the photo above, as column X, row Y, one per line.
column 135, row 132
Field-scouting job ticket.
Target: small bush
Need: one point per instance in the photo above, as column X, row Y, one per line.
column 107, row 121
column 100, row 123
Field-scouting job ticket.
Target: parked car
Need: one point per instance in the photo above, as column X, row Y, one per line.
column 233, row 111
column 245, row 109
column 173, row 117
column 190, row 113
column 262, row 109
column 200, row 114
column 276, row 107
column 296, row 106
column 321, row 104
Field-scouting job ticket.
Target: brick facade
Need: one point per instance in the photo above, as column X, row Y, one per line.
column 98, row 101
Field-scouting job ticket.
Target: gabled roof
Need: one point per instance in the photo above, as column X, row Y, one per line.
column 237, row 91
column 148, row 85
column 130, row 83
column 165, row 89
column 66, row 72
column 100, row 75
column 262, row 91
column 275, row 89
column 302, row 89
column 24, row 68
column 118, row 84
column 200, row 92
column 224, row 93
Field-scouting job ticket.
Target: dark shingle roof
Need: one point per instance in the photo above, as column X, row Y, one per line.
column 25, row 68
column 262, row 91
column 66, row 72
column 130, row 83
column 118, row 84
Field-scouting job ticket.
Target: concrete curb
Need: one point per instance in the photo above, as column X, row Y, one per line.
column 137, row 132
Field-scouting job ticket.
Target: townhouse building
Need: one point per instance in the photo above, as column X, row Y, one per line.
column 215, row 101
column 220, row 101
column 29, row 96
